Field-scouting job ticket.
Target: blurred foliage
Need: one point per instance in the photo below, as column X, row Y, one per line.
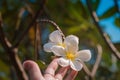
column 95, row 4
column 117, row 21
column 110, row 12
column 73, row 18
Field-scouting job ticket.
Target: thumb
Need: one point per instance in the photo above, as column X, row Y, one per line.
column 33, row 70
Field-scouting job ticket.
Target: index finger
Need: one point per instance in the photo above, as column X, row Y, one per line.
column 52, row 67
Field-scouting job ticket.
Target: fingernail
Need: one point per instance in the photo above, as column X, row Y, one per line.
column 26, row 65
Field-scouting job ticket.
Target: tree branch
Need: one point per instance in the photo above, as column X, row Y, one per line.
column 104, row 35
column 39, row 12
column 37, row 41
column 54, row 24
column 86, row 70
column 96, row 65
column 12, row 55
column 91, row 74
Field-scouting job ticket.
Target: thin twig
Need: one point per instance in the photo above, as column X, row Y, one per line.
column 37, row 41
column 18, row 24
column 39, row 12
column 103, row 34
column 92, row 73
column 29, row 10
column 53, row 23
column 96, row 65
column 86, row 70
column 12, row 55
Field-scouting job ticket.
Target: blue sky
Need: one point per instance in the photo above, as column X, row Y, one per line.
column 108, row 24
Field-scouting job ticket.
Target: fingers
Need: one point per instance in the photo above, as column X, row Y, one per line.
column 72, row 75
column 33, row 70
column 61, row 73
column 52, row 67
column 35, row 73
column 50, row 71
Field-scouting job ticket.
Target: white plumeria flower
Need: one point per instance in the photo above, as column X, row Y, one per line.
column 55, row 39
column 70, row 56
column 68, row 50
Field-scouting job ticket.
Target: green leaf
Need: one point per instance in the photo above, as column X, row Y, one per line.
column 106, row 59
column 95, row 4
column 110, row 12
column 117, row 22
column 41, row 64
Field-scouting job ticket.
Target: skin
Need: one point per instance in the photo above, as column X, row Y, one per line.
column 50, row 73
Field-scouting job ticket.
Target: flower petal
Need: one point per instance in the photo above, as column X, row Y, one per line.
column 84, row 55
column 47, row 46
column 58, row 50
column 76, row 65
column 63, row 62
column 71, row 43
column 56, row 37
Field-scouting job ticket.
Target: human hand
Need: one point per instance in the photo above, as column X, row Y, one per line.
column 50, row 73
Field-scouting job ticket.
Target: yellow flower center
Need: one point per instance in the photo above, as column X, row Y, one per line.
column 70, row 56
column 61, row 44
